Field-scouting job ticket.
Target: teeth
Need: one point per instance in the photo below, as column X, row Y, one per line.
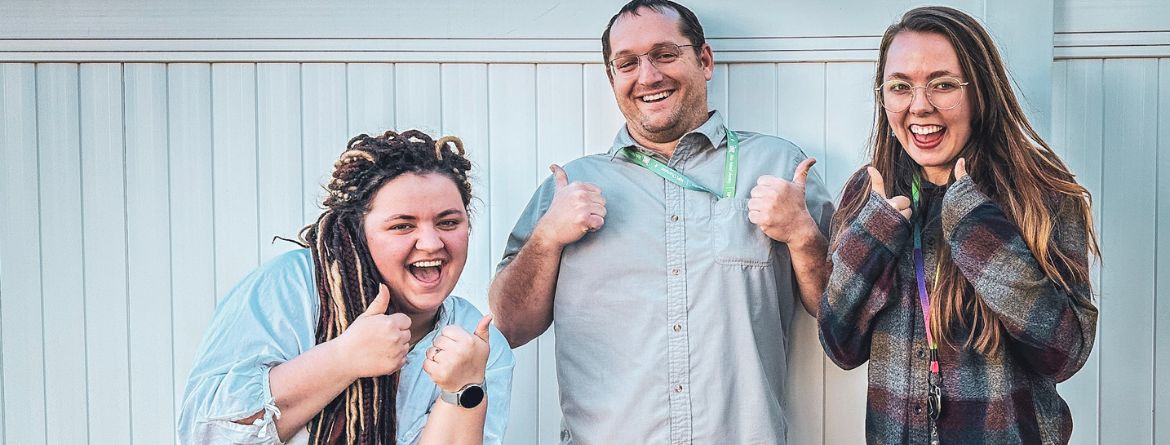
column 925, row 129
column 654, row 97
column 434, row 263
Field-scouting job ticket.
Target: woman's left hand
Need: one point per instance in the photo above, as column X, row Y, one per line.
column 960, row 169
column 457, row 358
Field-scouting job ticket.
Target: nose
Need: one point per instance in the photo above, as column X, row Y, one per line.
column 428, row 240
column 919, row 103
column 648, row 74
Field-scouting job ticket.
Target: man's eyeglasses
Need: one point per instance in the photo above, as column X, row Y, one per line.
column 663, row 54
column 943, row 93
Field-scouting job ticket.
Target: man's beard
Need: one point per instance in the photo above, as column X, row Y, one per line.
column 670, row 130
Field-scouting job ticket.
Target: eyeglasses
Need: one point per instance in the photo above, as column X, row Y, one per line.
column 663, row 54
column 943, row 93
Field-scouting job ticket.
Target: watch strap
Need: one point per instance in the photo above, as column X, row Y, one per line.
column 453, row 397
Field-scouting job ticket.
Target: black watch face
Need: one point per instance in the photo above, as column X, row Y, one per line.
column 471, row 396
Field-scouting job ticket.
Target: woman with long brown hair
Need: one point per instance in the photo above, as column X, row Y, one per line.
column 960, row 253
column 356, row 339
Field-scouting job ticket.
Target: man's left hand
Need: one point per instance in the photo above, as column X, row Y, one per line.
column 778, row 208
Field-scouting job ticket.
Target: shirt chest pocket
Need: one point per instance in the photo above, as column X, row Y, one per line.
column 738, row 242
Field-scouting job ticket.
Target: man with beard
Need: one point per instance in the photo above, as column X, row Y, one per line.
column 673, row 263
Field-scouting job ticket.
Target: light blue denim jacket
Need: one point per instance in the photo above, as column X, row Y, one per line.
column 271, row 317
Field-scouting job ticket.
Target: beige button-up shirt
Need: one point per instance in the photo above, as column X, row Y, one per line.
column 672, row 320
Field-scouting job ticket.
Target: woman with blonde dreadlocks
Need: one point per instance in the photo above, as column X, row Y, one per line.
column 356, row 339
column 960, row 254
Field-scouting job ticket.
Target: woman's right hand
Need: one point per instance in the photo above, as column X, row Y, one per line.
column 375, row 344
column 878, row 185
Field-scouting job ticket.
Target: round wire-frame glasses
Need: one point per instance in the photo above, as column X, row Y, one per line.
column 663, row 54
column 944, row 93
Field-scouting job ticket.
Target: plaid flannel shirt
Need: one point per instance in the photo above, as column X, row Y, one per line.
column 871, row 312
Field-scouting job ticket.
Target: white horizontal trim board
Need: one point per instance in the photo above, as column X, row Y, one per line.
column 469, row 19
column 756, row 49
column 539, row 19
column 1094, row 45
column 1111, row 45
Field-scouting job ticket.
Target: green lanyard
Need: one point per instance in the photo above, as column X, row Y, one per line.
column 730, row 168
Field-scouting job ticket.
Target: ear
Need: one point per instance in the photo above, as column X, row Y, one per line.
column 707, row 61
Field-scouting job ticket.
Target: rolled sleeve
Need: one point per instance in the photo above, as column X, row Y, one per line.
column 537, row 206
column 266, row 320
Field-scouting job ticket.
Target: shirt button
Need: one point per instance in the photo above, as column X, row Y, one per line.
column 674, row 271
column 673, row 218
column 677, row 327
column 678, row 388
column 921, row 354
column 917, row 409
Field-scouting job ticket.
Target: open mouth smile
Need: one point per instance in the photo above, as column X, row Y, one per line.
column 927, row 136
column 427, row 272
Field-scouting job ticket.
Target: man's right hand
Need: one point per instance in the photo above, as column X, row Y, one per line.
column 577, row 208
column 375, row 344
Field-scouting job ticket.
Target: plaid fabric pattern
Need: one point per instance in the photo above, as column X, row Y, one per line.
column 871, row 312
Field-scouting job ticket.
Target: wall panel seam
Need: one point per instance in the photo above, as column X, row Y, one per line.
column 84, row 278
column 170, row 232
column 40, row 247
column 126, row 256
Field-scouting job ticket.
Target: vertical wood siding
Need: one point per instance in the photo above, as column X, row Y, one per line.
column 135, row 194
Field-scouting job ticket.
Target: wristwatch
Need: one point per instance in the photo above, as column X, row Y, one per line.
column 469, row 396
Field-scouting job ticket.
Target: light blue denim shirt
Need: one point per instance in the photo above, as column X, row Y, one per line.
column 271, row 317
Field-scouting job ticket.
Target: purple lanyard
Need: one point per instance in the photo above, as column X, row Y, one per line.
column 920, row 274
column 934, row 401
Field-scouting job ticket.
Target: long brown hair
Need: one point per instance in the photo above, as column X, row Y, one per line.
column 347, row 279
column 1008, row 161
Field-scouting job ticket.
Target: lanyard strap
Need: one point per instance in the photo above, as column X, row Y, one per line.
column 920, row 274
column 730, row 168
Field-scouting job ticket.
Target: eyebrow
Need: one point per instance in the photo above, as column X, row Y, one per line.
column 443, row 214
column 934, row 75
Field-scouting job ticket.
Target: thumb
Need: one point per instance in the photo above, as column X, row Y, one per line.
column 559, row 176
column 481, row 331
column 802, row 171
column 876, row 183
column 960, row 169
column 380, row 303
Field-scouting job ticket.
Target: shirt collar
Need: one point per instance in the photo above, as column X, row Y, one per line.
column 713, row 130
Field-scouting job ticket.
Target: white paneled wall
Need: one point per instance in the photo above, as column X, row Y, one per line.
column 162, row 184
column 1112, row 122
column 136, row 187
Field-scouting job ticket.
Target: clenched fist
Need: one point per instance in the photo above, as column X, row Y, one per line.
column 375, row 344
column 778, row 208
column 457, row 358
column 577, row 208
column 878, row 185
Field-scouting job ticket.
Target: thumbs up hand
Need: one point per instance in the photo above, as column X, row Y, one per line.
column 778, row 208
column 577, row 208
column 960, row 169
column 457, row 358
column 375, row 344
column 878, row 185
